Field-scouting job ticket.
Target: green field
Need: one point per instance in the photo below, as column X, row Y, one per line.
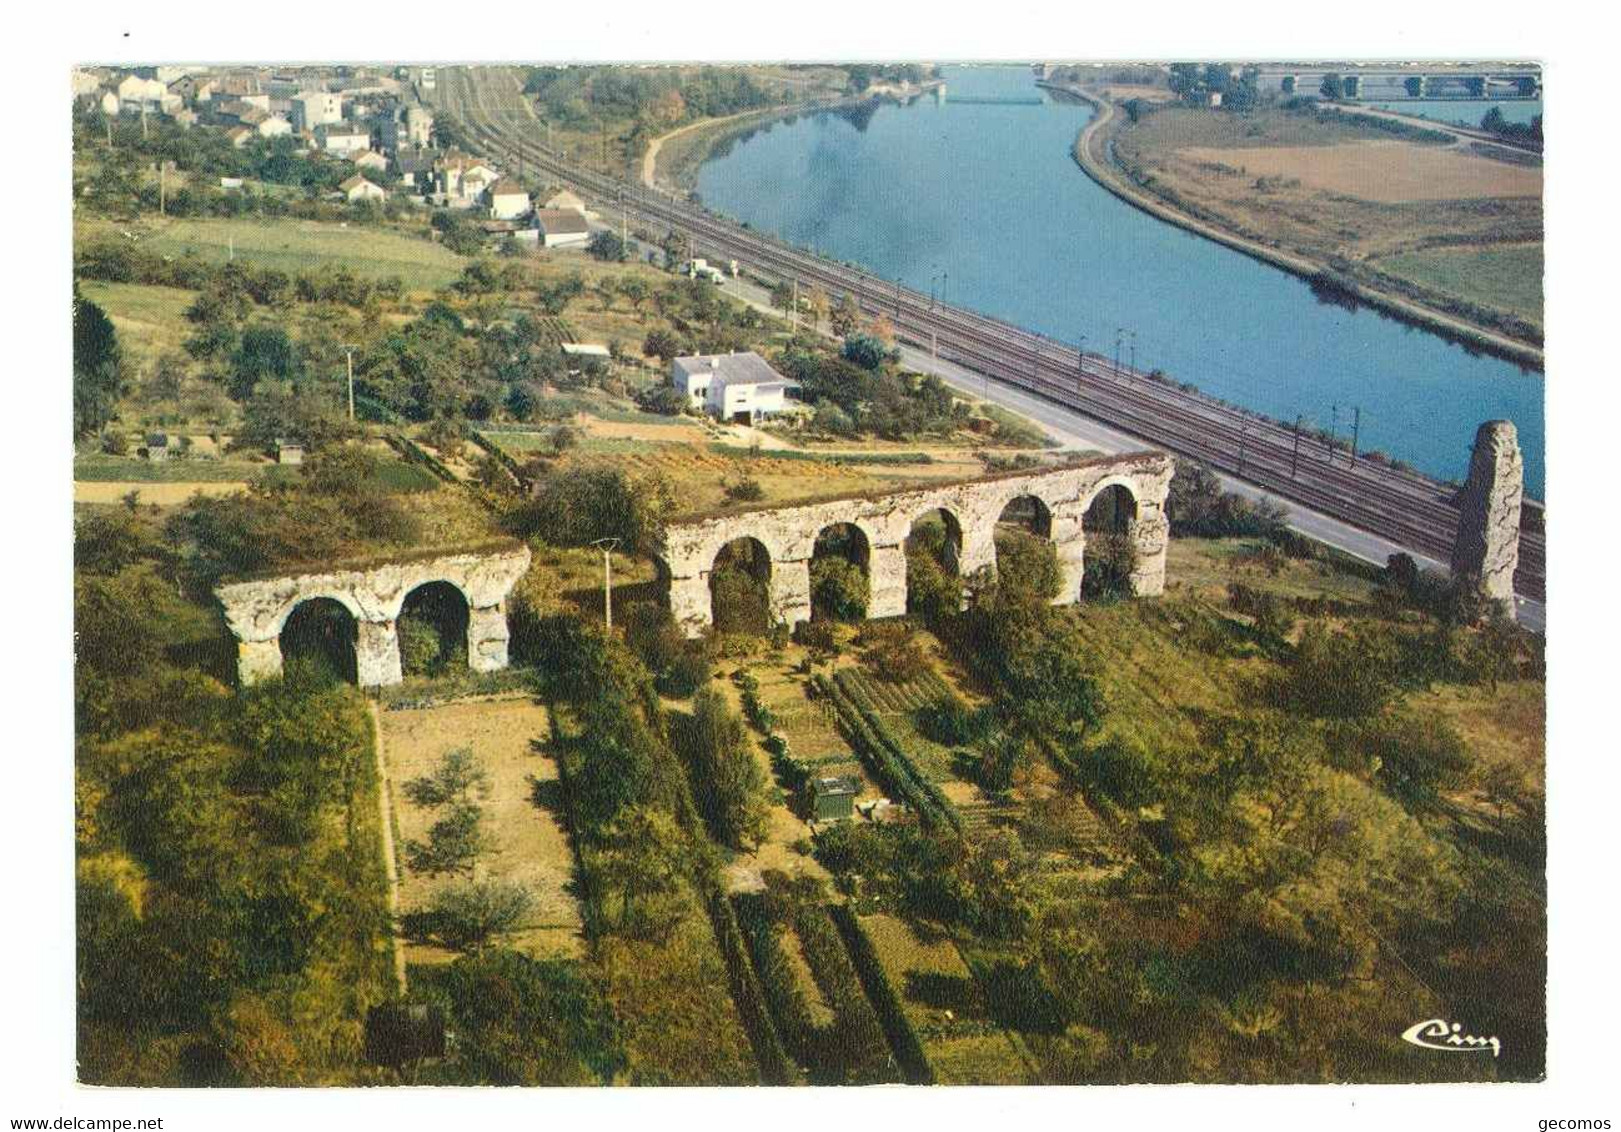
column 1509, row 276
column 151, row 321
column 302, row 245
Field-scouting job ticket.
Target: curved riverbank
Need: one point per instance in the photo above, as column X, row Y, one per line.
column 680, row 163
column 1096, row 165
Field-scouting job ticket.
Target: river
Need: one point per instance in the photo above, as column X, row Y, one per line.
column 982, row 203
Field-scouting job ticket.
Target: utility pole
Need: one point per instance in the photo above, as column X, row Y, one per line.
column 607, row 545
column 1356, row 429
column 1294, row 460
column 162, row 187
column 1242, row 437
column 1333, row 431
column 349, row 359
column 1134, row 354
column 1119, row 337
column 1080, row 362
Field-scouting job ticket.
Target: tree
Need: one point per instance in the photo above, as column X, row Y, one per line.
column 467, row 916
column 98, row 378
column 845, row 316
column 264, row 353
column 459, row 774
column 642, row 860
column 523, row 1021
column 662, row 344
column 1333, row 87
column 838, row 588
column 1027, row 565
column 727, row 780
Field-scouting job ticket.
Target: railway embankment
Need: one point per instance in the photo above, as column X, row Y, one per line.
column 1091, row 151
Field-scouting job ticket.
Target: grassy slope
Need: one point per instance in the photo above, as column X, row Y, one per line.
column 296, row 245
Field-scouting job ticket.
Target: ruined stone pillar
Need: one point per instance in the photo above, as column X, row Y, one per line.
column 1488, row 545
column 790, row 591
column 690, row 604
column 487, row 638
column 377, row 655
column 258, row 660
column 978, row 550
column 1069, row 544
column 1150, row 536
column 886, row 574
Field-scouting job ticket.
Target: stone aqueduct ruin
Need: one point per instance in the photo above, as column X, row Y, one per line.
column 972, row 508
column 258, row 610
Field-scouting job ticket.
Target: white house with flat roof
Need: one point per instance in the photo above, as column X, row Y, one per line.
column 734, row 387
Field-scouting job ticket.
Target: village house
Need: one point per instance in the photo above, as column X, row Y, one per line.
column 274, row 126
column 405, row 126
column 133, row 88
column 370, row 159
column 565, row 200
column 463, row 179
column 508, row 200
column 109, row 104
column 562, row 228
column 316, row 108
column 239, row 136
column 357, row 189
column 343, row 140
column 415, row 168
column 738, row 387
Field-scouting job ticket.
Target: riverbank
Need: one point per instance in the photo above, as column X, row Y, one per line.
column 672, row 160
column 1091, row 152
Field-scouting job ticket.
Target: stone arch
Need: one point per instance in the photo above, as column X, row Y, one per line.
column 1115, row 487
column 1109, row 525
column 933, row 563
column 950, row 550
column 279, row 621
column 833, row 592
column 323, row 630
column 739, row 581
column 1027, row 509
column 432, row 624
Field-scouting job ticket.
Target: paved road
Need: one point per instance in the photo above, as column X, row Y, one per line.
column 1077, row 431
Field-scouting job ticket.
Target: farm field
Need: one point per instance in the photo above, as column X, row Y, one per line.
column 522, row 813
column 1329, row 189
column 150, row 320
column 1390, row 172
column 294, row 246
column 1510, row 274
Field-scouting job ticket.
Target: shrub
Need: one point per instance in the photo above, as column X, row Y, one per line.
column 457, row 776
column 466, row 917
column 454, row 843
column 893, row 652
column 950, row 721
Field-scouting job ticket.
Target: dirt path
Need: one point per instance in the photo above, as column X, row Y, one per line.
column 164, row 494
column 1089, row 156
column 650, row 159
column 385, row 793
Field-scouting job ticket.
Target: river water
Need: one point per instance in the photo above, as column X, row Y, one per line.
column 1463, row 111
column 982, row 203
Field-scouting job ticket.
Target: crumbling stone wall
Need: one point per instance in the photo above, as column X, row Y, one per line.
column 789, row 534
column 257, row 610
column 1488, row 544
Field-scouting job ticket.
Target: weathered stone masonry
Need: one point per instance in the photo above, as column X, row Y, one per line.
column 257, row 610
column 1488, row 545
column 789, row 534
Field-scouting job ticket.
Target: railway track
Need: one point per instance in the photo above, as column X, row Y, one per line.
column 1404, row 507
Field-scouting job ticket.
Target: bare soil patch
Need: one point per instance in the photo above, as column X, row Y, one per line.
column 1388, row 172
column 521, row 813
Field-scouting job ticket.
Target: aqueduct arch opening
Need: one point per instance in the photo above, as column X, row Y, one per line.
column 740, row 586
column 841, row 573
column 375, row 599
column 432, row 628
column 321, row 632
column 887, row 521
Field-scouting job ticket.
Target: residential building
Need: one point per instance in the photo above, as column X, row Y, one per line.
column 357, row 189
column 316, row 108
column 416, row 168
column 562, row 228
column 734, row 387
column 343, row 140
column 566, row 200
column 133, row 88
column 274, row 126
column 239, row 136
column 369, row 159
column 405, row 126
column 508, row 200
